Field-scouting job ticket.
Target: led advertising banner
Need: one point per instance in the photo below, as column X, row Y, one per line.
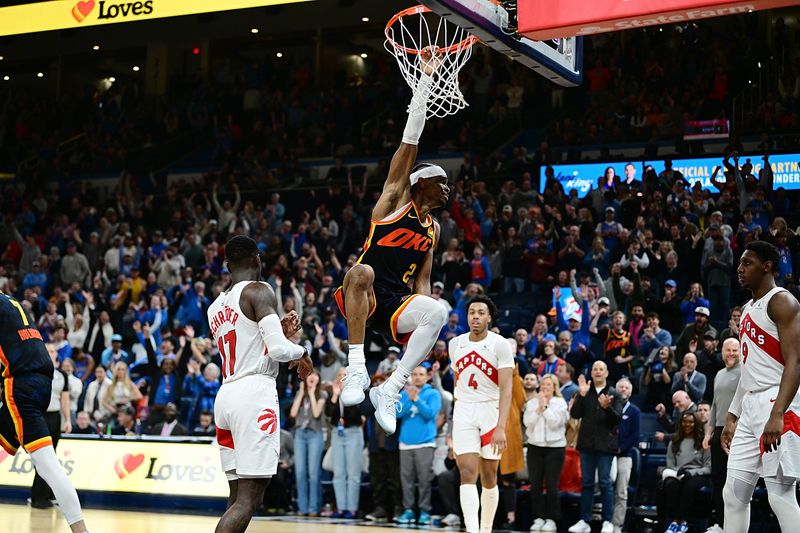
column 175, row 468
column 583, row 176
column 543, row 19
column 65, row 14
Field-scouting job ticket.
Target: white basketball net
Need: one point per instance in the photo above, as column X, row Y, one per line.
column 415, row 30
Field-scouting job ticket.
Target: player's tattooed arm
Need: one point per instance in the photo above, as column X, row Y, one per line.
column 784, row 310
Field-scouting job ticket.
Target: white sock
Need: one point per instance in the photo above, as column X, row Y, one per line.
column 355, row 355
column 489, row 499
column 469, row 506
column 398, row 379
column 47, row 465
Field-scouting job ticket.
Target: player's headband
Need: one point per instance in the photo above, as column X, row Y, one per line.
column 429, row 171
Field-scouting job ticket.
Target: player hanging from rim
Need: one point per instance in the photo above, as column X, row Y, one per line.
column 484, row 365
column 397, row 252
column 762, row 433
column 27, row 376
column 252, row 341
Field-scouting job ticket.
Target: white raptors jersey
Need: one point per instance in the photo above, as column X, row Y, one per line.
column 476, row 365
column 238, row 338
column 762, row 359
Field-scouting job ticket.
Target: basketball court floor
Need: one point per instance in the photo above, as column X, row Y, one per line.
column 24, row 519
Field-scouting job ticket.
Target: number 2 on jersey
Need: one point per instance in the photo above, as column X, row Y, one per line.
column 472, row 383
column 409, row 273
column 230, row 338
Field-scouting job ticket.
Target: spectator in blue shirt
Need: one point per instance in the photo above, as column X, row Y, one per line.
column 58, row 340
column 693, row 299
column 566, row 378
column 578, row 325
column 419, row 405
column 35, row 278
column 653, row 337
column 538, row 334
column 453, row 328
column 114, row 353
column 194, row 306
column 165, row 384
column 200, row 389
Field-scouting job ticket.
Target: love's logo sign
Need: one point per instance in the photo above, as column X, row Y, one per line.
column 82, row 9
column 125, row 465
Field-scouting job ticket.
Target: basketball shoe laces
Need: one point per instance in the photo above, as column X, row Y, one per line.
column 391, row 404
column 358, row 380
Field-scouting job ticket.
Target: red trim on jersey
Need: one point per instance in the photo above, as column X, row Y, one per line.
column 791, row 422
column 763, row 340
column 475, row 359
column 486, row 438
column 225, row 438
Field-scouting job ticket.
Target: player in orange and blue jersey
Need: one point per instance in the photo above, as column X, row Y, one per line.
column 27, row 372
column 389, row 288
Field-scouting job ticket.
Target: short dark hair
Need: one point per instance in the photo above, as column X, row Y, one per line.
column 240, row 249
column 206, row 412
column 652, row 314
column 765, row 252
column 483, row 299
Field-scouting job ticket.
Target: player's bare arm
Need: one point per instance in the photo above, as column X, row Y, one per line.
column 397, row 188
column 422, row 281
column 504, row 376
column 258, row 301
column 785, row 312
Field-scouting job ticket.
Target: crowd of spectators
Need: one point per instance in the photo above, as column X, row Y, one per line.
column 632, row 286
column 638, row 276
column 264, row 116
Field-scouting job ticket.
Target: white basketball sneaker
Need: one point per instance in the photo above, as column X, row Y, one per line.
column 385, row 404
column 355, row 383
column 580, row 527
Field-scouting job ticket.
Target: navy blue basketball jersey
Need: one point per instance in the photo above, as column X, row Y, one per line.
column 22, row 350
column 397, row 245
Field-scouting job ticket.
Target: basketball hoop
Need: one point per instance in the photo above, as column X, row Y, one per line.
column 419, row 38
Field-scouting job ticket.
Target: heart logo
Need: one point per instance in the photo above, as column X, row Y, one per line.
column 3, row 455
column 82, row 9
column 127, row 464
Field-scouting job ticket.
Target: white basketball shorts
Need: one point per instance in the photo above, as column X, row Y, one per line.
column 473, row 427
column 746, row 453
column 247, row 415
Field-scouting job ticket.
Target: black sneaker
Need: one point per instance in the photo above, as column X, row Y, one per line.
column 47, row 504
column 377, row 515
